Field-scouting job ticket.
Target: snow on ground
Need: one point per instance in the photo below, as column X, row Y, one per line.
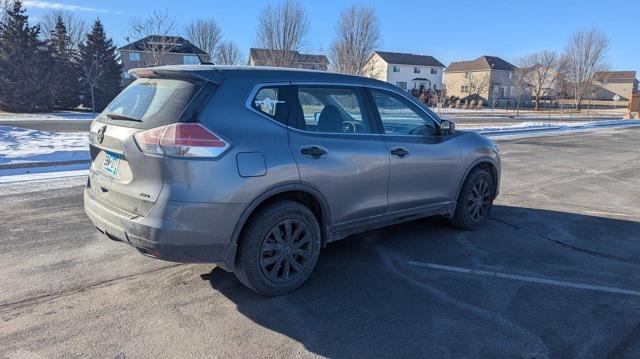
column 522, row 125
column 538, row 125
column 60, row 115
column 19, row 145
column 528, row 129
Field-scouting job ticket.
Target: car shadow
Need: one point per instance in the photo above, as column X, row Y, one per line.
column 363, row 300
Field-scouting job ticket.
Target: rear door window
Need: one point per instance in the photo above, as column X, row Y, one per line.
column 148, row 103
column 273, row 102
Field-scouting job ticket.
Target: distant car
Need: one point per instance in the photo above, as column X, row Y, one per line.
column 256, row 169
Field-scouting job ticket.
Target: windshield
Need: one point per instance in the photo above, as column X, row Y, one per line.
column 151, row 102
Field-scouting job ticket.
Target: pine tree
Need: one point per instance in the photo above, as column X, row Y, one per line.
column 24, row 61
column 100, row 69
column 64, row 83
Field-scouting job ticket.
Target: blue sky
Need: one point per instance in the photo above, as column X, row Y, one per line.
column 450, row 31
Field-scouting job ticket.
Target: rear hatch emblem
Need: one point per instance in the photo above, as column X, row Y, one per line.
column 101, row 132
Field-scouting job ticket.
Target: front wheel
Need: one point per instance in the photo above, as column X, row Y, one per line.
column 475, row 201
column 279, row 249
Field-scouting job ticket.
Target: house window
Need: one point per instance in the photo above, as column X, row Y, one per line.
column 467, row 75
column 190, row 60
column 402, row 85
column 416, row 70
column 464, row 88
column 134, row 56
column 510, row 75
column 396, row 68
column 434, row 71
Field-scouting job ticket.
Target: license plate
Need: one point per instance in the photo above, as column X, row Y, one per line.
column 111, row 162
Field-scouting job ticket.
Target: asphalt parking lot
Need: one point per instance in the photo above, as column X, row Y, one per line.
column 553, row 274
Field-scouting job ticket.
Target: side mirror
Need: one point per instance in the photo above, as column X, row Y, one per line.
column 447, row 128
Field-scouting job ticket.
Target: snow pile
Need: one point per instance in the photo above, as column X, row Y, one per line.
column 529, row 128
column 19, row 145
column 536, row 125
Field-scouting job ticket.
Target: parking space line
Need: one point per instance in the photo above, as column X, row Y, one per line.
column 527, row 279
column 608, row 213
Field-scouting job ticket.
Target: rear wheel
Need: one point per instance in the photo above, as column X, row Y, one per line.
column 279, row 248
column 475, row 201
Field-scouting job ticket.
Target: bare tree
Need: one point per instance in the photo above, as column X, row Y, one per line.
column 77, row 28
column 5, row 6
column 521, row 87
column 159, row 26
column 584, row 56
column 540, row 71
column 228, row 53
column 92, row 72
column 205, row 34
column 373, row 68
column 477, row 84
column 282, row 29
column 357, row 36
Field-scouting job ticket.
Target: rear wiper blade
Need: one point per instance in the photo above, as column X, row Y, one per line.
column 115, row 116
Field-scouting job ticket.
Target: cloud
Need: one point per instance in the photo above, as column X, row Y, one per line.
column 69, row 7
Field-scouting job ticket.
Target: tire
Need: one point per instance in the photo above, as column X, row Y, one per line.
column 279, row 249
column 475, row 201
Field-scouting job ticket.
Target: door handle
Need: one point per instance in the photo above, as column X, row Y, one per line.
column 399, row 152
column 313, row 151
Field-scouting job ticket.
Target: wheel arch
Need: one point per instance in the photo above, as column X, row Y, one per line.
column 487, row 163
column 298, row 192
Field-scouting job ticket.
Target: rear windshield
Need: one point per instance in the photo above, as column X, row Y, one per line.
column 148, row 103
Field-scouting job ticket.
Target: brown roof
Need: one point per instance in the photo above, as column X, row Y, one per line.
column 262, row 55
column 615, row 75
column 480, row 64
column 408, row 59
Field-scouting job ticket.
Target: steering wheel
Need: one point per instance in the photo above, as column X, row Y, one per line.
column 420, row 130
column 349, row 126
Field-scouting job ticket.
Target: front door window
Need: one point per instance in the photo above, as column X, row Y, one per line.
column 398, row 117
column 332, row 110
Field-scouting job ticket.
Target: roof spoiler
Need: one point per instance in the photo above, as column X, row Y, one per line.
column 187, row 73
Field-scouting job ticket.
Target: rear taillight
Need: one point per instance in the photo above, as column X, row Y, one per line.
column 181, row 140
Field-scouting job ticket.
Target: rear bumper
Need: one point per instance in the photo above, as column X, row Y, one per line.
column 172, row 231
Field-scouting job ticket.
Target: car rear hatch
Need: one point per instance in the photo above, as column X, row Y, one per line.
column 123, row 177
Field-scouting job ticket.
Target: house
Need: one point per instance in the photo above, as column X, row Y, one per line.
column 488, row 77
column 159, row 50
column 611, row 83
column 407, row 71
column 263, row 57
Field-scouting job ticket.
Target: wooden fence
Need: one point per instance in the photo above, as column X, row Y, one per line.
column 634, row 104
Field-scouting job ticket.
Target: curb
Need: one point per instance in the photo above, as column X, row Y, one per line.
column 42, row 164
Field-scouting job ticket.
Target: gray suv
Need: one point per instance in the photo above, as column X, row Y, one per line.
column 257, row 169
